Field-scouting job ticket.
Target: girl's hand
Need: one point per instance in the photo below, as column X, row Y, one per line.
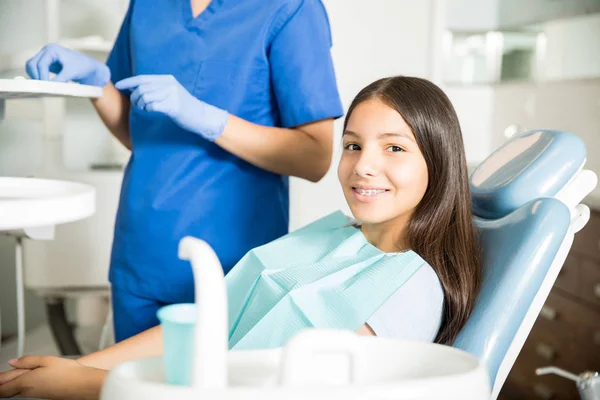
column 10, row 375
column 51, row 378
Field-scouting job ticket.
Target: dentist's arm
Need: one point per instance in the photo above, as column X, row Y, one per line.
column 113, row 109
column 69, row 65
column 304, row 151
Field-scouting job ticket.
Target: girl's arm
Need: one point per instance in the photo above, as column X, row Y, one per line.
column 51, row 378
column 54, row 377
column 366, row 330
column 146, row 344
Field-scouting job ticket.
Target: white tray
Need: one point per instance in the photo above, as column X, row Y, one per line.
column 32, row 88
column 389, row 369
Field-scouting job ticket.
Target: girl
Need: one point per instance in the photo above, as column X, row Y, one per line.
column 403, row 173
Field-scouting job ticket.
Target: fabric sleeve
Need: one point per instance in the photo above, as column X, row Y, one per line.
column 119, row 59
column 414, row 312
column 302, row 71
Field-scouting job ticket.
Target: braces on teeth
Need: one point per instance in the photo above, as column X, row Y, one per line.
column 369, row 192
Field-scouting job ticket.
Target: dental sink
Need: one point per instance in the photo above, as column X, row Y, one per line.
column 32, row 207
column 33, row 203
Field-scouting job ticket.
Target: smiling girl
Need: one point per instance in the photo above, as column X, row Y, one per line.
column 413, row 247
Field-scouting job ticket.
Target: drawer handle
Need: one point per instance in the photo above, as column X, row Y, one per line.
column 597, row 338
column 543, row 391
column 548, row 313
column 597, row 290
column 545, row 351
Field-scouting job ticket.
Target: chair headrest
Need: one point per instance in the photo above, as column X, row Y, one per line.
column 529, row 166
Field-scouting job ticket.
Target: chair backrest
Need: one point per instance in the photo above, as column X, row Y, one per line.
column 525, row 199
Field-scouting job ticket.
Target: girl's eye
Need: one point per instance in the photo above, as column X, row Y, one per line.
column 352, row 146
column 395, row 149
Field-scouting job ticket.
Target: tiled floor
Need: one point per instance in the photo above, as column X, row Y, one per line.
column 39, row 341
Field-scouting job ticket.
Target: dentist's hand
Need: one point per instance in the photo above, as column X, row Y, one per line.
column 163, row 94
column 69, row 65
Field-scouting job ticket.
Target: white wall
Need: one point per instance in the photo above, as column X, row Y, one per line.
column 90, row 17
column 371, row 40
column 519, row 12
column 472, row 15
column 482, row 15
column 474, row 107
column 570, row 105
column 573, row 48
column 567, row 97
column 21, row 25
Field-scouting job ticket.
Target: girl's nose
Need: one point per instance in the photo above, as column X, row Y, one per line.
column 367, row 165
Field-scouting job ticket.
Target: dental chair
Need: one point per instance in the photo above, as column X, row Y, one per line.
column 525, row 199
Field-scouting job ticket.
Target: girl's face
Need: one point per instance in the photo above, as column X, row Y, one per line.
column 382, row 171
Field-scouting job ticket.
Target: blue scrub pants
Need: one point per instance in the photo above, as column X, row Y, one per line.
column 133, row 314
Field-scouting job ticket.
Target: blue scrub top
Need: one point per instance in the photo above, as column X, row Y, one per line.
column 266, row 61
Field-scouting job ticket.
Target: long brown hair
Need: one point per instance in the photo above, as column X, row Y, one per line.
column 441, row 230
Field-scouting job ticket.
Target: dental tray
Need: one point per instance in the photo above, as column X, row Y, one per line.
column 31, row 88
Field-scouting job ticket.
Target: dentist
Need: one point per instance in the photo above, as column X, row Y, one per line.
column 219, row 102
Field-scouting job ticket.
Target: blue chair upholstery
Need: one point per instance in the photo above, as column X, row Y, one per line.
column 525, row 234
column 529, row 166
column 517, row 252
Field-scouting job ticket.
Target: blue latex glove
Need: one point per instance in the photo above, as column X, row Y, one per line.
column 69, row 65
column 163, row 94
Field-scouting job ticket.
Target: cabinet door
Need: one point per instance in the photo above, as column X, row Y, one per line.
column 590, row 282
column 567, row 335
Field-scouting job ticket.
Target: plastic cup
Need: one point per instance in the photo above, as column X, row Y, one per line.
column 178, row 322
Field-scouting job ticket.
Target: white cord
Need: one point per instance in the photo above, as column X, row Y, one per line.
column 557, row 371
column 20, row 298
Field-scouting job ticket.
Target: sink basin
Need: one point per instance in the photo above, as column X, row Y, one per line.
column 390, row 369
column 33, row 202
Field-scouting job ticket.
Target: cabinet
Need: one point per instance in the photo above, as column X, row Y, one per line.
column 567, row 331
